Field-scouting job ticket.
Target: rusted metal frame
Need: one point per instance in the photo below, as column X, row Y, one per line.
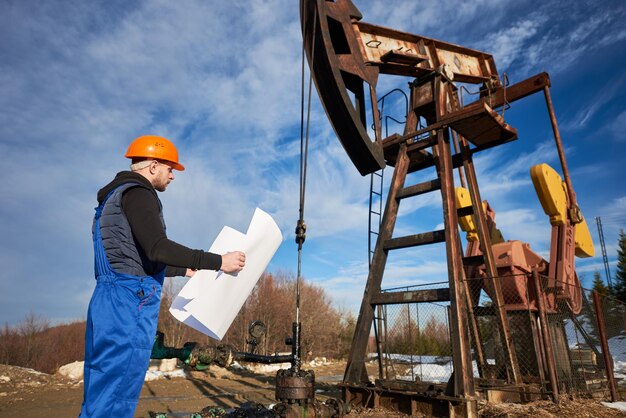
column 397, row 398
column 463, row 384
column 378, row 343
column 411, row 296
column 484, row 239
column 457, row 159
column 418, row 189
column 514, row 92
column 545, row 333
column 608, row 361
column 562, row 250
column 488, row 66
column 481, row 363
column 534, row 329
column 455, row 140
column 541, row 355
column 405, row 58
column 441, row 123
column 328, row 69
column 436, row 49
column 455, row 137
column 384, row 309
column 415, row 145
column 378, row 129
column 547, row 338
column 573, row 209
column 415, row 240
column 355, row 369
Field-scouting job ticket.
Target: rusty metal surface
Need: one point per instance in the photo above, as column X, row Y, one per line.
column 463, row 384
column 413, row 400
column 608, row 361
column 338, row 67
column 292, row 386
column 484, row 128
column 417, row 55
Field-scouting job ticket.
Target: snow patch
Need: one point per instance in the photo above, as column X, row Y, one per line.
column 73, row 370
column 156, row 374
column 620, row 406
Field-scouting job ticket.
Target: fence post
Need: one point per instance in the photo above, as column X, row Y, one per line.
column 608, row 360
column 545, row 333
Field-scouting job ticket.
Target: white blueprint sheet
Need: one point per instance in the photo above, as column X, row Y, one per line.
column 210, row 300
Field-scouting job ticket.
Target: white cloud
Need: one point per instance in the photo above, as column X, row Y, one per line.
column 618, row 127
column 509, row 44
column 80, row 80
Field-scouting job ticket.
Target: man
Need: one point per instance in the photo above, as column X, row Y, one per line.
column 132, row 257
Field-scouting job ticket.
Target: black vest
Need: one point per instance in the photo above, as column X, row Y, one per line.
column 122, row 251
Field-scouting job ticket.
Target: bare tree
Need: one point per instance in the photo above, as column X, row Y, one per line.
column 29, row 329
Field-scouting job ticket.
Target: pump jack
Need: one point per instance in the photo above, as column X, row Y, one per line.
column 346, row 57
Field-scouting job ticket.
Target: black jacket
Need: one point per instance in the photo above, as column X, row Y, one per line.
column 142, row 207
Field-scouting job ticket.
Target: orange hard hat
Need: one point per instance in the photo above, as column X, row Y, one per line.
column 157, row 147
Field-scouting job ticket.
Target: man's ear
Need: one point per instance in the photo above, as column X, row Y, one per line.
column 153, row 166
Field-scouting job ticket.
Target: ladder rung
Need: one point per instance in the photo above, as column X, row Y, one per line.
column 467, row 210
column 474, row 260
column 411, row 296
column 420, row 188
column 415, row 240
column 379, row 194
column 374, row 212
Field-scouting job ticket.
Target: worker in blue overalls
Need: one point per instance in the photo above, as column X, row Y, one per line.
column 132, row 257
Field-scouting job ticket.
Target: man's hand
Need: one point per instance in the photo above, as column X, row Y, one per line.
column 233, row 262
column 190, row 272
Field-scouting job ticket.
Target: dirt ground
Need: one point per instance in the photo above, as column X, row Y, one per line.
column 28, row 394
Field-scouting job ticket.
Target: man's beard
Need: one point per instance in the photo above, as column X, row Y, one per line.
column 161, row 184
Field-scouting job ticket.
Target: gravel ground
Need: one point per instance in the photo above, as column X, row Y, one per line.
column 26, row 393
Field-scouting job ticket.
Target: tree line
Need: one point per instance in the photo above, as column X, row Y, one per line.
column 613, row 298
column 618, row 289
column 326, row 330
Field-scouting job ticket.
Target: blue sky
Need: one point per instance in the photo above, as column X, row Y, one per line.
column 79, row 80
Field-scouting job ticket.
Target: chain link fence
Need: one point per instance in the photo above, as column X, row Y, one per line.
column 414, row 339
column 554, row 334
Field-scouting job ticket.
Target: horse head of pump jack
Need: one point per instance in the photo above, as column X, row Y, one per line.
column 347, row 55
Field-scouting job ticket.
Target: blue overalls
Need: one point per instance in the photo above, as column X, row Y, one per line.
column 121, row 325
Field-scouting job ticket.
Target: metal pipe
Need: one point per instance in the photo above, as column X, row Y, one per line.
column 160, row 351
column 576, row 217
column 608, row 361
column 546, row 338
column 257, row 358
